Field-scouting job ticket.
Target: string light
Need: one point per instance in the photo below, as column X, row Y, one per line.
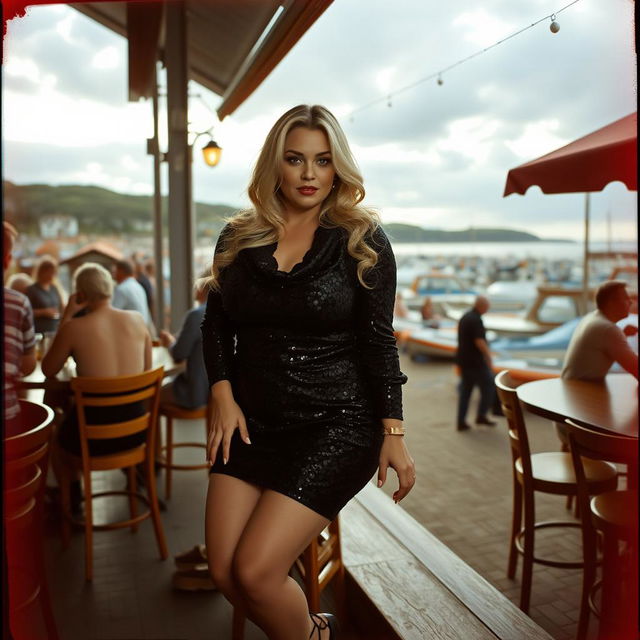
column 554, row 27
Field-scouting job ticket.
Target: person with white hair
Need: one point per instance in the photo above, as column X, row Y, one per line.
column 104, row 342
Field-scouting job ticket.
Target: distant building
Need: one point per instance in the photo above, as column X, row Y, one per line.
column 101, row 252
column 58, row 226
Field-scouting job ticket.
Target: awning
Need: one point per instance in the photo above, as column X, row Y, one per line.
column 587, row 164
column 233, row 45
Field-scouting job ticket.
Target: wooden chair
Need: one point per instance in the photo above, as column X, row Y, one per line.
column 550, row 473
column 319, row 564
column 26, row 464
column 173, row 412
column 613, row 515
column 112, row 392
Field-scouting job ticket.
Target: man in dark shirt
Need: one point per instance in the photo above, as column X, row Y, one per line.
column 474, row 359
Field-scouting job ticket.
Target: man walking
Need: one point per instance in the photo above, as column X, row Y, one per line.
column 474, row 359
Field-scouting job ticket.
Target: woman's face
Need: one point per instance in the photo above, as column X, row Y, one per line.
column 307, row 169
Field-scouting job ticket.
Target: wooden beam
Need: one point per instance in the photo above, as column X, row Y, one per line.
column 180, row 229
column 144, row 31
column 289, row 28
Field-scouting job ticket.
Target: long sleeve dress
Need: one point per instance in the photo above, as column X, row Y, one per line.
column 313, row 364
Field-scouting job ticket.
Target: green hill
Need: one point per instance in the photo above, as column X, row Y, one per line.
column 98, row 210
column 101, row 211
column 411, row 233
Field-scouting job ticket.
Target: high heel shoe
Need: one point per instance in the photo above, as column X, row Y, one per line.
column 324, row 621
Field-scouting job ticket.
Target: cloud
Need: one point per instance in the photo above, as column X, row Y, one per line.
column 439, row 154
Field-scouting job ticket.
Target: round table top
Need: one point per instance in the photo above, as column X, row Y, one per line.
column 610, row 406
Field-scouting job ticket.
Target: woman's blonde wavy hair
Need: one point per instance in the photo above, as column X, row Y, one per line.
column 261, row 225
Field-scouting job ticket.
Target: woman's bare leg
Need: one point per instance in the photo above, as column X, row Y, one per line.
column 278, row 531
column 230, row 503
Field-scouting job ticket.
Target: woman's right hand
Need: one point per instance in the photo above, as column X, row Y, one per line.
column 226, row 417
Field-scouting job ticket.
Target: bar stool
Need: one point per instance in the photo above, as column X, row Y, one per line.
column 164, row 459
column 550, row 473
column 613, row 515
column 318, row 565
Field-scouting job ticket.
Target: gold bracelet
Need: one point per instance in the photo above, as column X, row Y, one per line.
column 394, row 431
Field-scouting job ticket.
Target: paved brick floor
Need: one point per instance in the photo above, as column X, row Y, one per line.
column 463, row 494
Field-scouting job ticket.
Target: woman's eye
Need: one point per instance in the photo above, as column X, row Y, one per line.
column 323, row 162
column 292, row 160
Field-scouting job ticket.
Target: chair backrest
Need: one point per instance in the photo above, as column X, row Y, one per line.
column 506, row 389
column 586, row 443
column 114, row 392
column 602, row 446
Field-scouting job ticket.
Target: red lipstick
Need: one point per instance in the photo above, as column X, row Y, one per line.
column 307, row 191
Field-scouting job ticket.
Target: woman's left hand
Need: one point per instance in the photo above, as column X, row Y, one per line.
column 394, row 454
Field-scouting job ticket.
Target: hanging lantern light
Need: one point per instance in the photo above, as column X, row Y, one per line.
column 211, row 153
column 554, row 27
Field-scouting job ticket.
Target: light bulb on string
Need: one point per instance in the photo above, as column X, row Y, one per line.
column 554, row 27
column 389, row 101
column 440, row 80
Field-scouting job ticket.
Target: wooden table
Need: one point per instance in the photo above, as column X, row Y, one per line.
column 610, row 406
column 36, row 380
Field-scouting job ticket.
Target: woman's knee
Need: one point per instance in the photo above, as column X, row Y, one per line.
column 222, row 576
column 256, row 579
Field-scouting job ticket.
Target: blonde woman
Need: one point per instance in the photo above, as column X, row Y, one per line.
column 308, row 401
column 46, row 295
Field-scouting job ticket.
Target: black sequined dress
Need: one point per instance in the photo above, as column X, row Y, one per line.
column 314, row 367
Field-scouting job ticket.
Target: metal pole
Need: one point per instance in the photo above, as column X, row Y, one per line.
column 585, row 274
column 157, row 214
column 180, row 230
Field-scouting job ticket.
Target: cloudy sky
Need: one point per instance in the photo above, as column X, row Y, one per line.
column 437, row 157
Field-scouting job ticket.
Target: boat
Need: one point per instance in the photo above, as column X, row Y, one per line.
column 549, row 346
column 446, row 290
column 433, row 343
column 537, row 364
column 512, row 295
column 551, row 307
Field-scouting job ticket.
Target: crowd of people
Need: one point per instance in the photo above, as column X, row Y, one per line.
column 82, row 326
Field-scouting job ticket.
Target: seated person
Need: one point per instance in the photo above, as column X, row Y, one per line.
column 104, row 342
column 598, row 341
column 19, row 341
column 19, row 282
column 429, row 317
column 190, row 388
column 46, row 295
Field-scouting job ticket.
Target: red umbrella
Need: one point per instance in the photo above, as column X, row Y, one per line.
column 587, row 164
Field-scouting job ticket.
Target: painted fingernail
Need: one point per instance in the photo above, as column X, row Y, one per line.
column 379, row 483
column 224, row 460
column 247, row 440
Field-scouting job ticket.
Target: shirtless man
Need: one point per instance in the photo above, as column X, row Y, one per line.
column 104, row 342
